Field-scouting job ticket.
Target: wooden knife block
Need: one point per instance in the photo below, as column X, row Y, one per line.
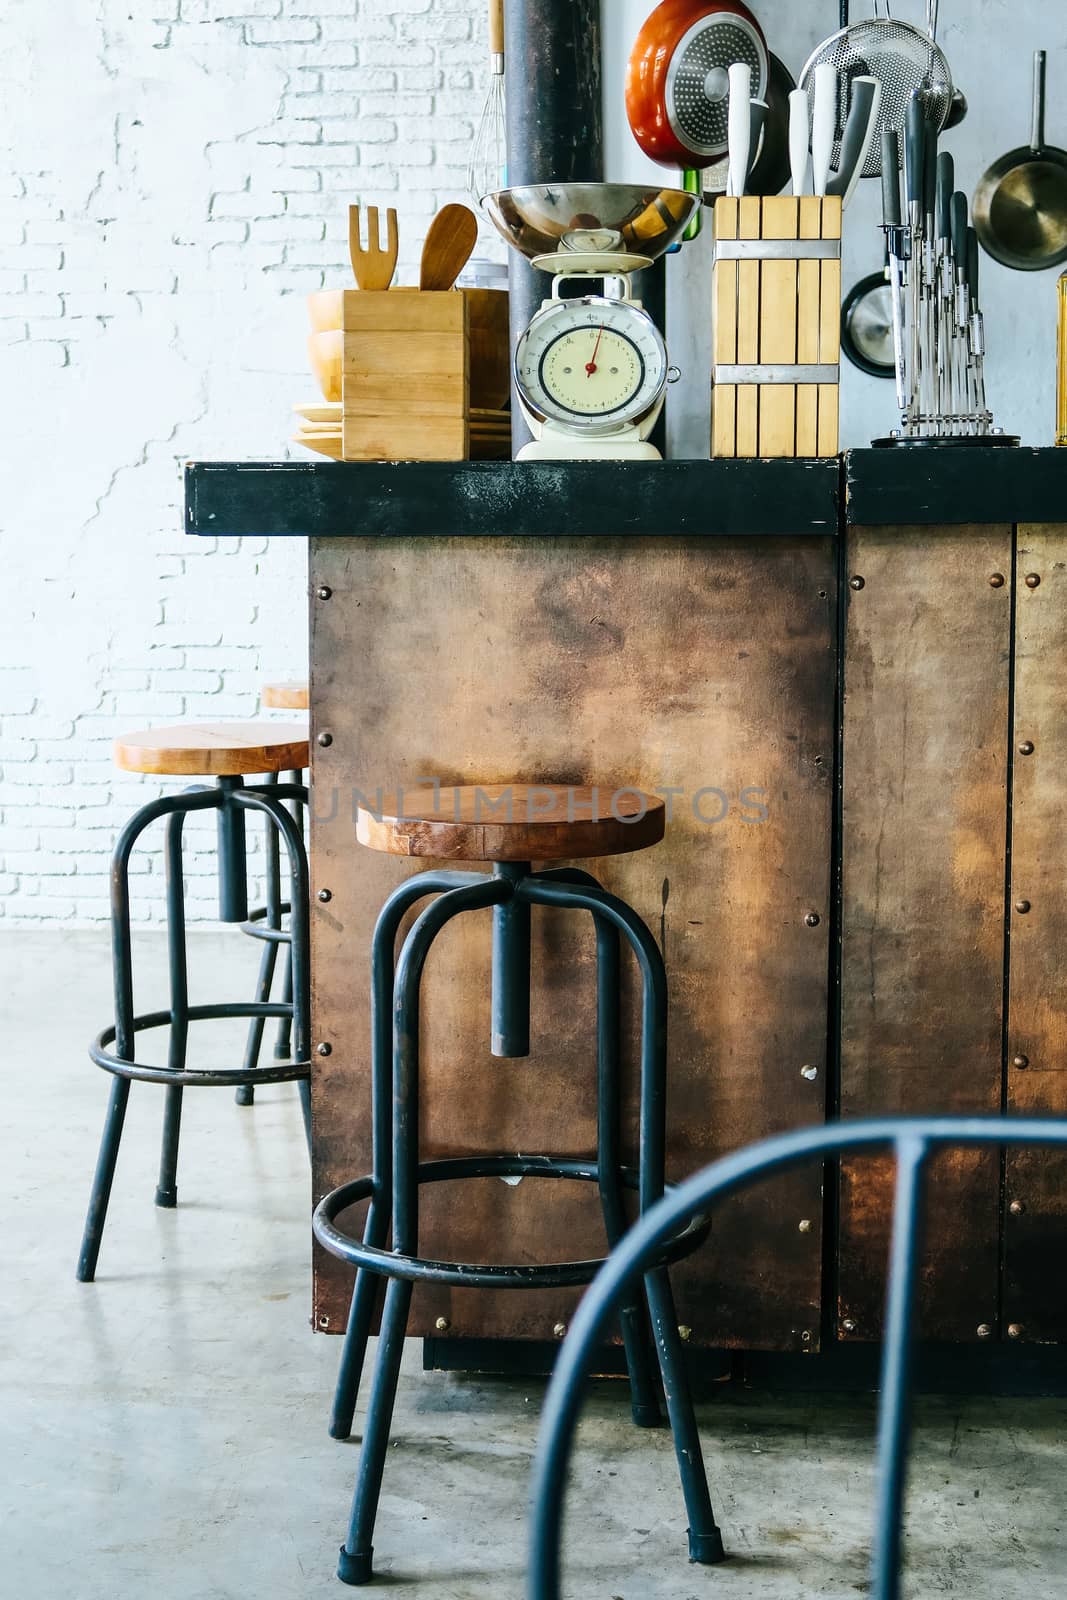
column 776, row 311
column 413, row 365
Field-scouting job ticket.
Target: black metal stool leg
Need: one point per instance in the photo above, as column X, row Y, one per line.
column 122, row 974
column 283, row 1041
column 633, row 1322
column 355, row 1565
column 299, row 928
column 705, row 1540
column 103, row 1179
column 245, row 1093
column 167, row 1187
column 366, row 1290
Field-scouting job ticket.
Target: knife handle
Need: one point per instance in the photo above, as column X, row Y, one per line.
column 914, row 152
column 890, row 178
column 739, row 124
column 946, row 185
column 824, row 124
column 972, row 267
column 959, row 230
column 930, row 171
column 799, row 126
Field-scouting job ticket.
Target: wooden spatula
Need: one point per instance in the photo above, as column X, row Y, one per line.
column 451, row 238
column 373, row 265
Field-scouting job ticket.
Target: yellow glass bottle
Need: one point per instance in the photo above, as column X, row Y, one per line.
column 1061, row 366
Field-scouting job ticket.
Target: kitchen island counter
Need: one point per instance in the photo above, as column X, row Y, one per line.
column 832, row 667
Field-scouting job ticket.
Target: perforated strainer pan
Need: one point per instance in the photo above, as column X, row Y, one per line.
column 902, row 58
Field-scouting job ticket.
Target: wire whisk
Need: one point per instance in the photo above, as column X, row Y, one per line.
column 487, row 170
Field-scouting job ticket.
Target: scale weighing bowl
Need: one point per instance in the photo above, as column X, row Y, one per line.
column 590, row 219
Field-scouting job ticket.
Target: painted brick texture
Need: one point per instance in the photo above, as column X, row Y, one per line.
column 174, row 180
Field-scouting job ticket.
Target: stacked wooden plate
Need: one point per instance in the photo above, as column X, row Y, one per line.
column 319, row 429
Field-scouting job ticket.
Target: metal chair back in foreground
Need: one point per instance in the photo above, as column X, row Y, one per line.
column 913, row 1141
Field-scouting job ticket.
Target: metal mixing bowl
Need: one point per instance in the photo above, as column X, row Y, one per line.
column 624, row 219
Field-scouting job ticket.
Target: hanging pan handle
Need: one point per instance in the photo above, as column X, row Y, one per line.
column 1037, row 137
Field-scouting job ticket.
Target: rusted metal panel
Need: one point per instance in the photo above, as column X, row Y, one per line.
column 924, row 820
column 1035, row 1189
column 666, row 663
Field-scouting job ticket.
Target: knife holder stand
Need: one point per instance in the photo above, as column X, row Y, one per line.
column 776, row 293
column 415, row 364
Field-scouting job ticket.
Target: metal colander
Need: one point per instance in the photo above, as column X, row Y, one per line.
column 698, row 80
column 901, row 57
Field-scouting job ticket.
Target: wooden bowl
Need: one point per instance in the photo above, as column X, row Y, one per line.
column 324, row 310
column 324, row 353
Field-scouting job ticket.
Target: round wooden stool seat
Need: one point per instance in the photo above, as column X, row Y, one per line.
column 291, row 696
column 214, row 749
column 512, row 822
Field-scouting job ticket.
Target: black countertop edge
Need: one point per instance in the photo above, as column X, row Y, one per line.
column 593, row 499
column 940, row 486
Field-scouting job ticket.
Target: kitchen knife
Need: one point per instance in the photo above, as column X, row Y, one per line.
column 894, row 236
column 823, row 124
column 799, row 129
column 738, row 126
column 856, row 142
column 958, row 222
column 982, row 417
column 947, row 367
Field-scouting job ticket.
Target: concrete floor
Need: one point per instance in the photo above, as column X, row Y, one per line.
column 163, row 1431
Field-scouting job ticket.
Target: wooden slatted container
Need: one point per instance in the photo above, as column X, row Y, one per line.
column 776, row 300
column 424, row 375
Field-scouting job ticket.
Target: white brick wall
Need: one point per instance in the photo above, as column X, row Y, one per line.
column 174, row 179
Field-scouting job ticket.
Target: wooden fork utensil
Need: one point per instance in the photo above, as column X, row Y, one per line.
column 372, row 264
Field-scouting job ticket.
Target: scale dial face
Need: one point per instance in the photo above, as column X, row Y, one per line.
column 592, row 364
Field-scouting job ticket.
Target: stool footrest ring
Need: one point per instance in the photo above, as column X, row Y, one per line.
column 223, row 1077
column 417, row 1269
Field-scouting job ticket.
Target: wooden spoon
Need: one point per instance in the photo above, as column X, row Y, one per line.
column 449, row 244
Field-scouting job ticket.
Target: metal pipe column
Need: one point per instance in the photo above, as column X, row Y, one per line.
column 554, row 122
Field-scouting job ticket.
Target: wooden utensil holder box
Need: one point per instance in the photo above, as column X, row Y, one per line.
column 414, row 365
column 776, row 309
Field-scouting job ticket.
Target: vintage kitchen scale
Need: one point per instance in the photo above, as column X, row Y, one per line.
column 591, row 369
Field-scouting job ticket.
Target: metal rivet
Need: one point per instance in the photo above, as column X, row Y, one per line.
column 1033, row 580
column 1015, row 1330
column 1021, row 1062
column 1018, row 1208
column 985, row 1331
column 560, row 1330
column 442, row 1324
column 326, row 740
column 324, row 591
column 324, row 1049
column 325, row 895
column 324, row 1322
column 856, row 583
column 996, row 581
column 1022, row 907
column 805, row 1226
column 811, row 1073
column 805, row 1336
column 812, row 919
column 685, row 1333
column 848, row 1326
column 1027, row 747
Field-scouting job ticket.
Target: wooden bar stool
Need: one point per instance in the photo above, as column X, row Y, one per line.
column 228, row 752
column 510, row 827
column 291, row 696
